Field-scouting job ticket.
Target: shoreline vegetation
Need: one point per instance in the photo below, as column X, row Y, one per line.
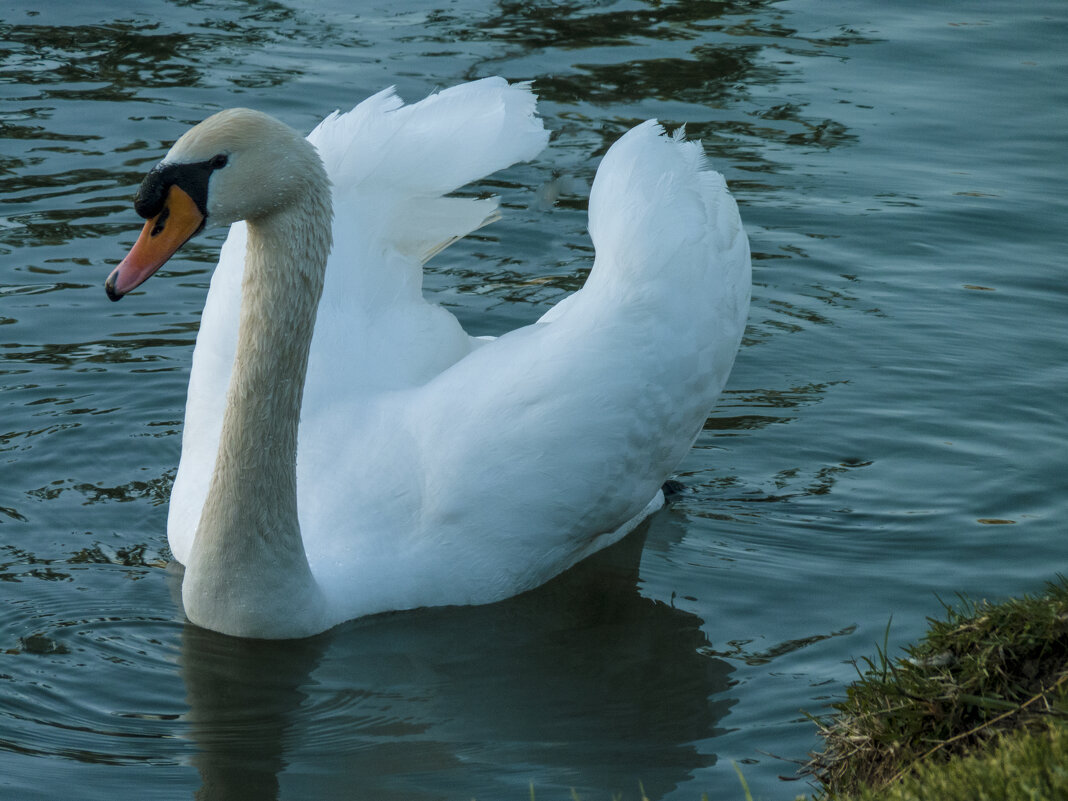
column 978, row 709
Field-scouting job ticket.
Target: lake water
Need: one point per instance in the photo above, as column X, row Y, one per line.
column 893, row 432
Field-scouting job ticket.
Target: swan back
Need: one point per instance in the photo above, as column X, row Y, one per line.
column 545, row 444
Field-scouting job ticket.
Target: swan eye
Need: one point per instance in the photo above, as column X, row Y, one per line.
column 219, row 161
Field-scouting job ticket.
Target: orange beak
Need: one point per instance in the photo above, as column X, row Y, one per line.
column 159, row 239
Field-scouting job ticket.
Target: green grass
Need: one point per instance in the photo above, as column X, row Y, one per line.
column 1022, row 766
column 985, row 670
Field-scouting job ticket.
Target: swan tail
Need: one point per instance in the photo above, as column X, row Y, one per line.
column 656, row 206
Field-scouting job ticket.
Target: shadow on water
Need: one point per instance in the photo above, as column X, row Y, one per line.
column 582, row 684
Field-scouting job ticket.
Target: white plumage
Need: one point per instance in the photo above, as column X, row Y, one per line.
column 433, row 468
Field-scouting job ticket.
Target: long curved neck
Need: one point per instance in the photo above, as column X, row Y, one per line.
column 248, row 573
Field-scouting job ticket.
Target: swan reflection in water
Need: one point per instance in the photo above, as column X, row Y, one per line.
column 583, row 683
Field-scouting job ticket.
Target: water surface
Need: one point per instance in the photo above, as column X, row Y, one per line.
column 893, row 432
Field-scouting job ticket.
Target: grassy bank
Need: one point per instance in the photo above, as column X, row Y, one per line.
column 1023, row 766
column 977, row 710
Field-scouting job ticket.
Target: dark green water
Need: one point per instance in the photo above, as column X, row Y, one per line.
column 894, row 430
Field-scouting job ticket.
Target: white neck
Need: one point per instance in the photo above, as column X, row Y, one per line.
column 248, row 574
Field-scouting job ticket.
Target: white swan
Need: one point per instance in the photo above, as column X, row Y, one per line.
column 360, row 453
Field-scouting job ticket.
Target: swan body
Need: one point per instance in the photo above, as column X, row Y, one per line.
column 348, row 449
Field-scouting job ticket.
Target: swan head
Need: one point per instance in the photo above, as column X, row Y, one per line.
column 238, row 164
